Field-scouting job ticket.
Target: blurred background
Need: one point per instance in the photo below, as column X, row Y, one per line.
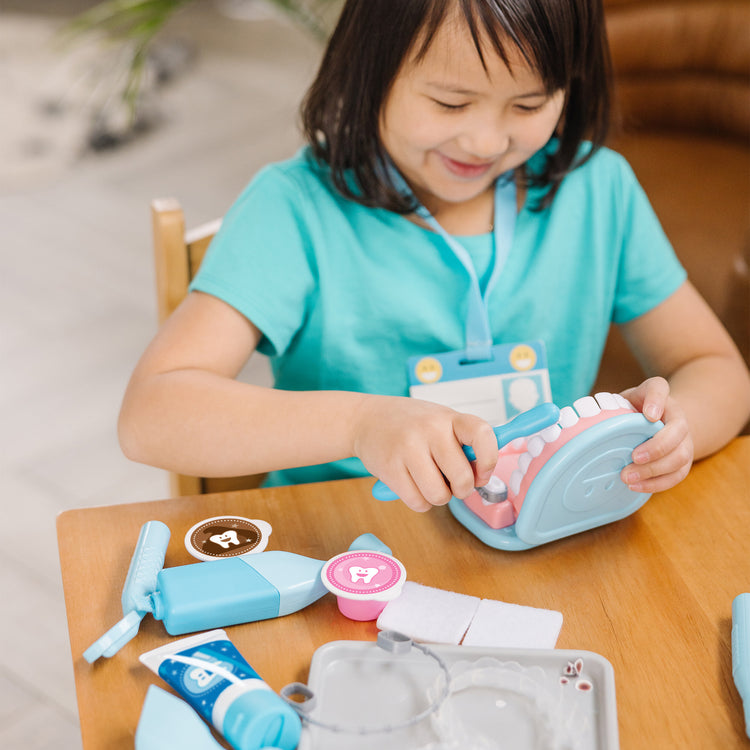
column 218, row 100
column 78, row 302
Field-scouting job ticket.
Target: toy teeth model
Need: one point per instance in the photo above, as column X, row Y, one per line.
column 562, row 480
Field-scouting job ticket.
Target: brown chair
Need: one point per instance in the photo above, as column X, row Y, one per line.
column 178, row 255
column 682, row 86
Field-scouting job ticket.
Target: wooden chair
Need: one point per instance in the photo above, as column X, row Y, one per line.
column 178, row 254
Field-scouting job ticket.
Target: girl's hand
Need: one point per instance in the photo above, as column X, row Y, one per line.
column 415, row 448
column 665, row 459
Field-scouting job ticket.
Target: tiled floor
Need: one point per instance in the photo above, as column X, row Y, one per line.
column 77, row 303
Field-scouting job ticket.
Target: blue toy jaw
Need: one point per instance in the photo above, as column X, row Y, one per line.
column 579, row 486
column 577, row 489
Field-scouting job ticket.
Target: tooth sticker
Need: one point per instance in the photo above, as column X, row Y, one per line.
column 362, row 574
column 227, row 536
column 226, row 539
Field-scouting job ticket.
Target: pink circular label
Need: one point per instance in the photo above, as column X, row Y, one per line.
column 363, row 573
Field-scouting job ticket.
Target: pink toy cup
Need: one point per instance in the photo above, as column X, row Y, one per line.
column 363, row 582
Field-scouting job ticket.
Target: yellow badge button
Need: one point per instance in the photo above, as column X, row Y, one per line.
column 428, row 370
column 522, row 357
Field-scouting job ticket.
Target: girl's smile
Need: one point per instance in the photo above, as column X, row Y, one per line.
column 452, row 126
column 463, row 170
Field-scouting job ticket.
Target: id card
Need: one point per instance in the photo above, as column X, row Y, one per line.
column 514, row 380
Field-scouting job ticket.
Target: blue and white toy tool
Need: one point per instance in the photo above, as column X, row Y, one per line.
column 168, row 723
column 564, row 480
column 524, row 424
column 145, row 566
column 215, row 594
column 741, row 652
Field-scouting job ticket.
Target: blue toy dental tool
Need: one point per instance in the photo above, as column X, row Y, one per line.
column 741, row 652
column 564, row 480
column 214, row 678
column 215, row 594
column 168, row 723
column 147, row 561
column 524, row 424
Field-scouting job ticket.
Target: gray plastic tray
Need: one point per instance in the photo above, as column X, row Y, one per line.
column 500, row 698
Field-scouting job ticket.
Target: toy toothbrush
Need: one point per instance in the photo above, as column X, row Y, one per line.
column 215, row 594
column 560, row 481
column 524, row 424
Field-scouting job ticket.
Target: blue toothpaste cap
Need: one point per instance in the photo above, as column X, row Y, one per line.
column 261, row 719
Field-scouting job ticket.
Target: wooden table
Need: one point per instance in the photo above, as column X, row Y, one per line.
column 652, row 593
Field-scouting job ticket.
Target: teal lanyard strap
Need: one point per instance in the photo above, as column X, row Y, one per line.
column 478, row 332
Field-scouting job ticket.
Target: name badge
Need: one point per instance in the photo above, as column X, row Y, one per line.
column 513, row 380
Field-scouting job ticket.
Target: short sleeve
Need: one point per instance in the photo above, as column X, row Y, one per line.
column 649, row 270
column 260, row 262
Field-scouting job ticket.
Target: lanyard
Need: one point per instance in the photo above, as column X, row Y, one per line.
column 478, row 333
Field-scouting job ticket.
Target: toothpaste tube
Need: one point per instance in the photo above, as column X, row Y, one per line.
column 214, row 678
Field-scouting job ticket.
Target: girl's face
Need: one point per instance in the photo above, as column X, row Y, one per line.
column 452, row 127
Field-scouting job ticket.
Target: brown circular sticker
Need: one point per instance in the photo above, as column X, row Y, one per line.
column 227, row 536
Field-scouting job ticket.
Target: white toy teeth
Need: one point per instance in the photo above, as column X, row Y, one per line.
column 606, row 401
column 586, row 406
column 564, row 479
column 568, row 417
column 551, row 433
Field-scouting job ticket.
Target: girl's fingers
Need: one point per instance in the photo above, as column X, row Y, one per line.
column 456, row 471
column 406, row 488
column 666, row 441
column 431, row 484
column 668, row 454
column 675, row 461
column 480, row 436
column 655, row 398
column 431, row 466
column 665, row 459
column 447, row 472
column 662, row 481
column 650, row 397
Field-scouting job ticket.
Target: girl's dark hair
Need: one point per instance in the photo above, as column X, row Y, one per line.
column 563, row 40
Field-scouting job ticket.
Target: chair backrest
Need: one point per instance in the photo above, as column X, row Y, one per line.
column 671, row 70
column 177, row 255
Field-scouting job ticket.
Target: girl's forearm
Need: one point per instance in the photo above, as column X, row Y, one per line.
column 717, row 413
column 199, row 423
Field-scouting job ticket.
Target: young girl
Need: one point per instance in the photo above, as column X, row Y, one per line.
column 439, row 131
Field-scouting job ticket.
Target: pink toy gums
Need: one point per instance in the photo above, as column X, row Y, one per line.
column 521, row 460
column 561, row 480
column 558, row 473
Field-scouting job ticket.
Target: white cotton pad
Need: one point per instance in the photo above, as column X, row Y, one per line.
column 430, row 615
column 502, row 625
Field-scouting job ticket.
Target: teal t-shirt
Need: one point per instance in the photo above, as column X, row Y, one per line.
column 345, row 294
